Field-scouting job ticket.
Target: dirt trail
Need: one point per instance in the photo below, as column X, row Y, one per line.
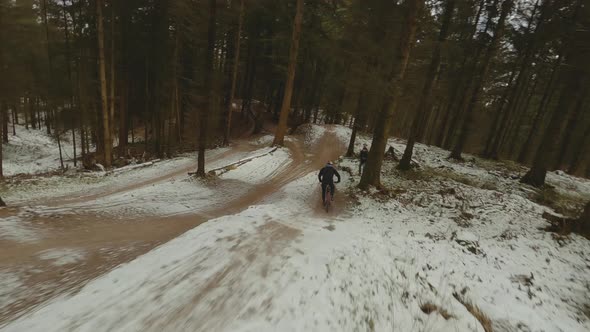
column 239, row 146
column 104, row 244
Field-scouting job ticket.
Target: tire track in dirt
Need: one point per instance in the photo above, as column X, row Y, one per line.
column 210, row 308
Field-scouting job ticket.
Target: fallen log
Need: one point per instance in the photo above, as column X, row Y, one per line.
column 131, row 167
column 237, row 163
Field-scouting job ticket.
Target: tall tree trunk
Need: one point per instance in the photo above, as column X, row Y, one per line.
column 113, row 80
column 357, row 122
column 48, row 101
column 568, row 133
column 464, row 78
column 284, row 116
column 515, row 129
column 107, row 141
column 498, row 115
column 125, row 83
column 173, row 100
column 38, row 109
column 3, row 115
column 581, row 154
column 236, row 62
column 3, row 108
column 482, row 75
column 372, row 174
column 148, row 101
column 71, row 83
column 424, row 106
column 515, row 92
column 25, row 106
column 204, row 118
column 58, row 138
column 584, row 220
column 574, row 80
column 33, row 112
column 549, row 91
column 4, row 122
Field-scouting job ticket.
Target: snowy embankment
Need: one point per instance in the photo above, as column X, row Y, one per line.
column 32, row 151
column 397, row 261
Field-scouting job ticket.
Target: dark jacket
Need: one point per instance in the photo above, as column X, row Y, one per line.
column 327, row 173
column 364, row 155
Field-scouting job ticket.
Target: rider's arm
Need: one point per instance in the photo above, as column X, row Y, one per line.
column 337, row 175
column 321, row 174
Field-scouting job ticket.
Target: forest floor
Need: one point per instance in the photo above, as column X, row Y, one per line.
column 448, row 247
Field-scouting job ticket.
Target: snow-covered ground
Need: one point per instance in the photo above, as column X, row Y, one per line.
column 282, row 265
column 33, row 151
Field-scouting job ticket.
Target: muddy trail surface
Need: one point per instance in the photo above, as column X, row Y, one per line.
column 74, row 246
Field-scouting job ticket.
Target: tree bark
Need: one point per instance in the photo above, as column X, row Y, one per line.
column 581, row 154
column 286, row 106
column 517, row 90
column 424, row 106
column 204, row 118
column 515, row 129
column 568, row 133
column 574, row 80
column 4, row 122
column 482, row 75
column 372, row 174
column 125, row 82
column 71, row 83
column 584, row 220
column 3, row 130
column 357, row 122
column 547, row 96
column 234, row 75
column 48, row 100
column 113, row 81
column 464, row 78
column 15, row 122
column 107, row 142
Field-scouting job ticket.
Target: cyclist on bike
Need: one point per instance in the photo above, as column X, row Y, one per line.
column 326, row 177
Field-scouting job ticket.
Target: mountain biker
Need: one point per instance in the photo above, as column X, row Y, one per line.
column 326, row 177
column 364, row 155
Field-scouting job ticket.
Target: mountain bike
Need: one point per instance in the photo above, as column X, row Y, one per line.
column 328, row 199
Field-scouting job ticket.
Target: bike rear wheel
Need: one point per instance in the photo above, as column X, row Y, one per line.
column 328, row 200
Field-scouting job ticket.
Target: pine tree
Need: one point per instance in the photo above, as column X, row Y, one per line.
column 372, row 173
column 424, row 106
column 286, row 106
column 575, row 77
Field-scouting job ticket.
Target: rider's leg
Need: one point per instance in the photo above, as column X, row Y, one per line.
column 332, row 190
column 324, row 193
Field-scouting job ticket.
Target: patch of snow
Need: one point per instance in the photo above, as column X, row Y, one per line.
column 62, row 256
column 343, row 133
column 84, row 184
column 265, row 140
column 33, row 151
column 312, row 133
column 260, row 169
